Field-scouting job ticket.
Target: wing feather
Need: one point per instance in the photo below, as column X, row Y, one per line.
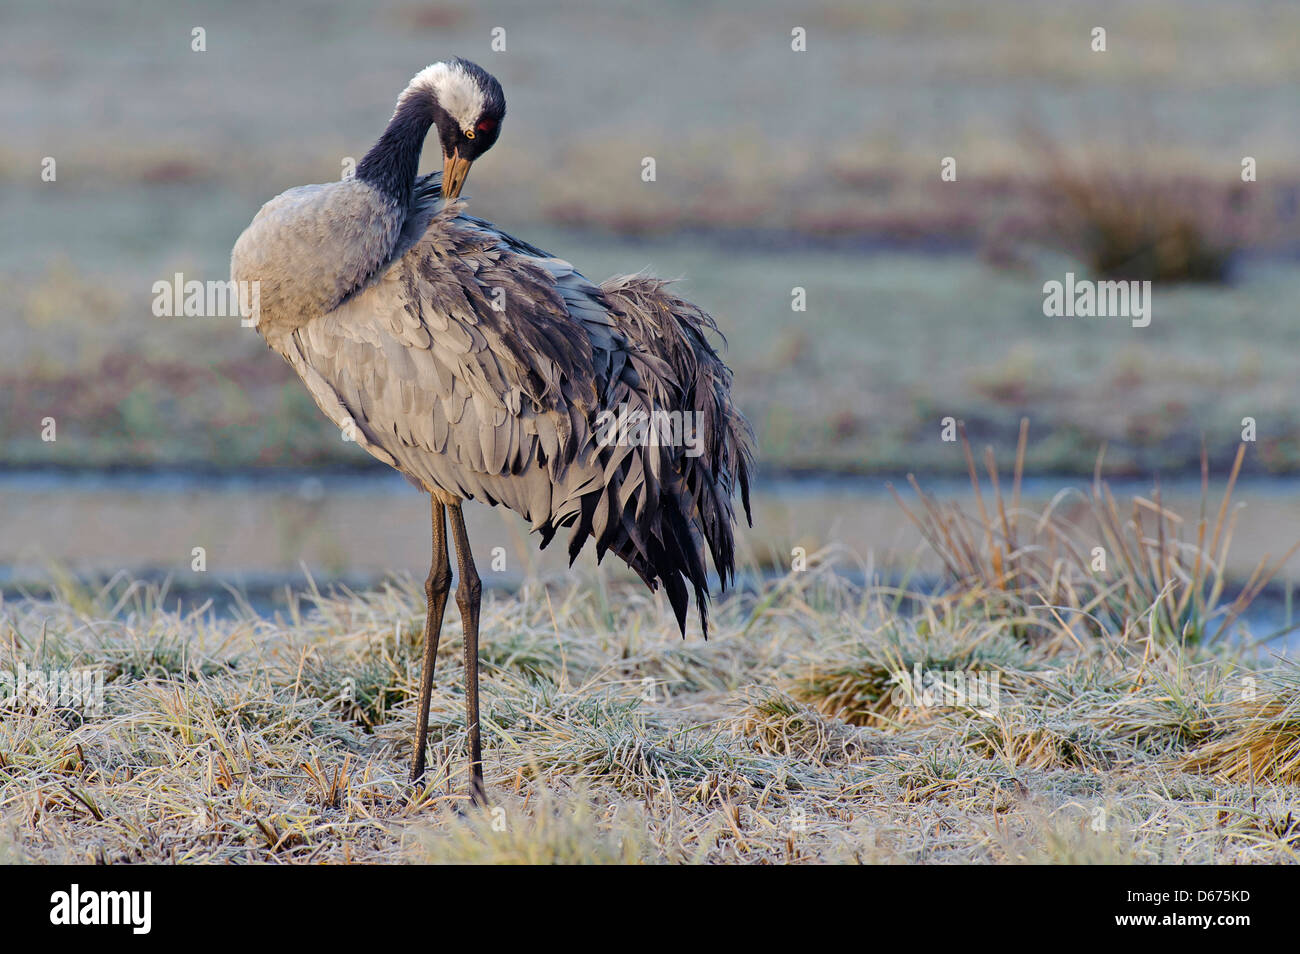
column 477, row 366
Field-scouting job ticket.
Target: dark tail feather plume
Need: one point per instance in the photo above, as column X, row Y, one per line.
column 692, row 513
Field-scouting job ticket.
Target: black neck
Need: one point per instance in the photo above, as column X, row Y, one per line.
column 393, row 162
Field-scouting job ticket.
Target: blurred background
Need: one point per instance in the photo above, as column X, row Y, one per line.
column 776, row 170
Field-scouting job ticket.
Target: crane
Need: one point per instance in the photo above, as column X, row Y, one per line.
column 482, row 368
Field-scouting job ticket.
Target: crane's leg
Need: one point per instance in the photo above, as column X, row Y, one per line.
column 469, row 594
column 436, row 588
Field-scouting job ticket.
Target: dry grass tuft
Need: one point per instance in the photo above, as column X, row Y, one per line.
column 1022, row 740
column 1132, row 223
column 776, row 724
column 1258, row 740
column 1086, row 564
column 887, row 677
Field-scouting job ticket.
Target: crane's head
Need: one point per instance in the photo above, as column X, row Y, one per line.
column 468, row 106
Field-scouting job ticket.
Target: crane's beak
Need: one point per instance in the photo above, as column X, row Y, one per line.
column 454, row 171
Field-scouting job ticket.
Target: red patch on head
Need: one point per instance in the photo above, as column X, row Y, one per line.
column 486, row 125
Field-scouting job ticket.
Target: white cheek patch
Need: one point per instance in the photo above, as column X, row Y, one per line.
column 455, row 89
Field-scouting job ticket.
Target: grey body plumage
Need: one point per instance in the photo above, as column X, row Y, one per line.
column 479, row 366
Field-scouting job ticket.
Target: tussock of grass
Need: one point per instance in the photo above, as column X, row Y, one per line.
column 1139, row 224
column 1134, row 570
column 607, row 740
column 873, row 680
column 365, row 685
column 945, row 775
column 778, row 725
column 1258, row 739
column 1026, row 739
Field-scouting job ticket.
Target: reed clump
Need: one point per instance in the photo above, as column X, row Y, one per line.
column 1088, row 563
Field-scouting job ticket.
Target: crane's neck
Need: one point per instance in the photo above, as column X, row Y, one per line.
column 393, row 162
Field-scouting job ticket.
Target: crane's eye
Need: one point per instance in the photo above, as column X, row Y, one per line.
column 486, row 125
